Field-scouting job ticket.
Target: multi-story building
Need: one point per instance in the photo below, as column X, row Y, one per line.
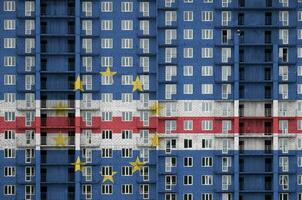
column 151, row 99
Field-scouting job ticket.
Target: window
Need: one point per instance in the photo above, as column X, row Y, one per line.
column 188, row 34
column 29, row 81
column 29, row 8
column 170, row 35
column 9, row 116
column 188, row 125
column 207, row 196
column 126, row 43
column 206, row 180
column 299, row 161
column 144, row 172
column 107, row 80
column 87, row 45
column 9, row 97
column 299, row 179
column 87, row 191
column 226, row 53
column 206, row 144
column 126, row 152
column 87, row 63
column 206, row 162
column 29, row 63
column 188, row 161
column 107, row 43
column 127, row 116
column 9, row 24
column 29, row 155
column 126, row 134
column 169, row 163
column 127, row 6
column 106, row 97
column 284, row 17
column 170, row 181
column 106, row 188
column 126, row 171
column 207, row 71
column 9, row 61
column 106, row 6
column 170, row 17
column 107, row 134
column 188, row 180
column 9, row 135
column 9, row 189
column 144, row 8
column 207, row 34
column 9, row 6
column 188, row 143
column 87, row 8
column 188, row 106
column 170, row 53
column 225, row 18
column 188, row 196
column 170, row 89
column 127, row 79
column 9, row 171
column 9, row 153
column 106, row 153
column 29, row 173
column 127, row 61
column 299, row 34
column 283, row 36
column 284, row 181
column 144, row 190
column 127, row 188
column 283, row 196
column 29, row 192
column 9, row 43
column 207, row 52
column 206, row 106
column 106, row 116
column 87, row 27
column 206, row 16
column 106, row 25
column 188, row 52
column 207, row 125
column 188, row 15
column 206, row 89
column 188, row 88
column 144, row 26
column 29, row 45
column 127, row 97
column 127, row 25
column 226, row 182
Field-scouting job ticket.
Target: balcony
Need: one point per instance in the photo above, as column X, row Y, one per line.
column 57, row 122
column 54, row 105
column 49, row 141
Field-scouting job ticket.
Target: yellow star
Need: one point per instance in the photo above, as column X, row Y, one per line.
column 78, row 84
column 108, row 72
column 78, row 164
column 109, row 177
column 136, row 166
column 137, row 85
column 156, row 108
column 60, row 108
column 155, row 140
column 60, row 140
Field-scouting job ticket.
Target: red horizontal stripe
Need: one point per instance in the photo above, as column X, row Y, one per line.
column 62, row 124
